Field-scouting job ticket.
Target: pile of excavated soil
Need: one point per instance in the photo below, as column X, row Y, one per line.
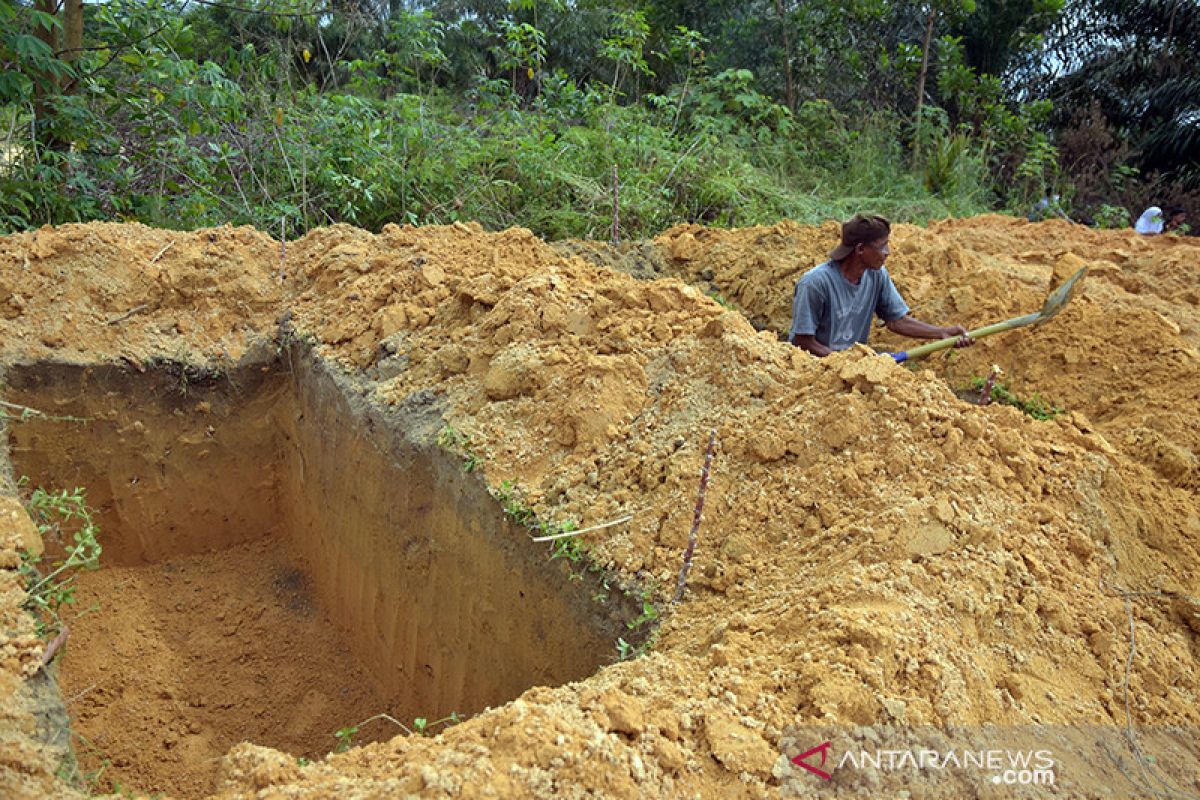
column 873, row 549
column 1123, row 353
column 128, row 291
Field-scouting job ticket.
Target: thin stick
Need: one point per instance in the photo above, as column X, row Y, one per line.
column 691, row 548
column 126, row 315
column 388, row 718
column 616, row 192
column 565, row 534
column 159, row 254
column 985, row 396
column 282, row 246
column 80, row 696
column 25, row 410
column 1147, row 770
column 55, row 645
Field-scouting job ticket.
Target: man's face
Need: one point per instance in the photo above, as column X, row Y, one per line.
column 1176, row 220
column 875, row 253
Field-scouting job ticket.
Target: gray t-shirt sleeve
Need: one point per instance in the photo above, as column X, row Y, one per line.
column 891, row 305
column 808, row 304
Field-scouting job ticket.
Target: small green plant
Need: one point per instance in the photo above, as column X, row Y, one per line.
column 516, row 507
column 63, row 519
column 624, row 649
column 345, row 738
column 90, row 782
column 601, row 596
column 721, row 300
column 627, row 651
column 649, row 613
column 303, row 762
column 423, row 727
column 1035, row 406
column 512, row 501
column 456, row 441
column 570, row 548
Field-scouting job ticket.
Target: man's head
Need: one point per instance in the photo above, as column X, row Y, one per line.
column 1174, row 217
column 865, row 236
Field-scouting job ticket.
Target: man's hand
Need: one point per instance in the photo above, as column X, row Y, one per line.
column 908, row 326
column 957, row 330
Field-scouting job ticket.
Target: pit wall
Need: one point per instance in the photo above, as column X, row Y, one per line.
column 34, row 727
column 450, row 607
column 176, row 460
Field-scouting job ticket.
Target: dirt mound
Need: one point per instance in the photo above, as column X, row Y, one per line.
column 873, row 549
column 80, row 291
column 1123, row 353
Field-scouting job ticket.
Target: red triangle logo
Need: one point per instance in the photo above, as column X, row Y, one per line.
column 823, row 749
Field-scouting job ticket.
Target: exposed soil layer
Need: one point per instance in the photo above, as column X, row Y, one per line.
column 874, row 550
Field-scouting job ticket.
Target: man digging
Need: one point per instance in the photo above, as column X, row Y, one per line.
column 834, row 301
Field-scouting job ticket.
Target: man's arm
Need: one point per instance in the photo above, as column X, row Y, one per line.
column 907, row 326
column 808, row 306
column 810, row 344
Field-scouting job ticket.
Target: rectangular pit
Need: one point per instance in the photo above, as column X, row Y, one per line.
column 283, row 559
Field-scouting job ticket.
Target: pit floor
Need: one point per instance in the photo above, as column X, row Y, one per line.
column 169, row 665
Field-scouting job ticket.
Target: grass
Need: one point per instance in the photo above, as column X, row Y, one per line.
column 576, row 553
column 455, row 441
column 1036, row 406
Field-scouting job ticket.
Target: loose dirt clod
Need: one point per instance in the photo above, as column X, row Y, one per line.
column 878, row 552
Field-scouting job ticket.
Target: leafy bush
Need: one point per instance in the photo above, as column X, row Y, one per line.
column 64, row 521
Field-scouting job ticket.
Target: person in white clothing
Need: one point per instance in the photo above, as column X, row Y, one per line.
column 1153, row 220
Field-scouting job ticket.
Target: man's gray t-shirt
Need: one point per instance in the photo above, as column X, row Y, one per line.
column 837, row 312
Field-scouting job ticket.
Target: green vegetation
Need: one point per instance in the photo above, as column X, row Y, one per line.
column 289, row 114
column 515, row 506
column 628, row 652
column 649, row 616
column 1035, row 406
column 649, row 613
column 345, row 738
column 64, row 521
column 90, row 782
column 421, row 726
column 456, row 441
column 578, row 556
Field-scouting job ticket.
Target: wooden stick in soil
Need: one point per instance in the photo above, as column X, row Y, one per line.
column 985, row 395
column 691, row 548
column 282, row 248
column 55, row 645
column 126, row 315
column 159, row 254
column 566, row 534
column 616, row 192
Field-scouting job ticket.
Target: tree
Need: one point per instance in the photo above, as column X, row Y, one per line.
column 1137, row 60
